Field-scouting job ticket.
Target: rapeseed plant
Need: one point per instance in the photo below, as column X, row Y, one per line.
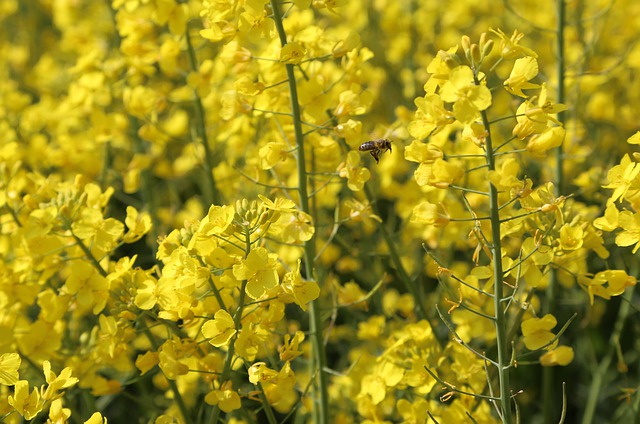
column 189, row 232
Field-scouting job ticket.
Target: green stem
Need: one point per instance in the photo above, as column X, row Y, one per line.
column 210, row 195
column 561, row 95
column 271, row 417
column 421, row 310
column 315, row 323
column 147, row 186
column 498, row 274
column 86, row 251
column 237, row 320
column 603, row 367
column 548, row 381
column 172, row 384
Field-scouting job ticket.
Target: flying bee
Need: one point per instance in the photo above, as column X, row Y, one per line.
column 376, row 147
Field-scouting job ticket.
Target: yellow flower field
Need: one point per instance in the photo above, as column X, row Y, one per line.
column 319, row 211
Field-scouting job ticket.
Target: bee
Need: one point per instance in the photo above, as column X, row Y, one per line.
column 376, row 147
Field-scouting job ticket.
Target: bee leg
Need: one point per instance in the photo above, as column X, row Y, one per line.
column 376, row 155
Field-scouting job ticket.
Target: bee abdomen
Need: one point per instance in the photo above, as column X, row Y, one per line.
column 368, row 145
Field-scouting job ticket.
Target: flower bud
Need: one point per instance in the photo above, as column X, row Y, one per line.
column 264, row 217
column 451, row 60
column 486, row 49
column 466, row 46
column 475, row 54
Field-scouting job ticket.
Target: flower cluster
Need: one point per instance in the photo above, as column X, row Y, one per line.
column 192, row 228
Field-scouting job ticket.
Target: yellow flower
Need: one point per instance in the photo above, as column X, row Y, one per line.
column 468, row 98
column 255, row 23
column 622, row 178
column 430, row 117
column 536, row 332
column 634, row 139
column 345, row 45
column 562, row 355
column 421, row 152
column 9, row 365
column 169, row 356
column 251, row 341
column 302, row 292
column 552, row 137
column 280, row 204
column 217, row 220
column 272, row 153
column 174, row 13
column 524, row 69
column 476, row 133
column 630, row 234
column 355, row 174
column 292, row 53
column 96, row 418
column 608, row 283
column 147, row 361
column 534, row 114
column 352, row 103
column 428, row 214
column 290, row 349
column 33, row 345
column 510, row 46
column 259, row 269
column 92, row 228
column 138, row 224
column 146, row 295
column 226, row 398
column 571, row 237
column 219, row 330
column 610, row 220
column 260, row 373
column 293, row 227
column 372, row 328
column 27, row 404
column 88, row 286
column 373, row 386
column 56, row 383
column 58, row 414
column 439, row 174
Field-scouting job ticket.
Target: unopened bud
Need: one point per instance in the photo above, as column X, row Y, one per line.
column 466, row 45
column 440, row 184
column 486, row 48
column 264, row 217
column 483, row 40
column 451, row 60
column 30, row 201
column 475, row 54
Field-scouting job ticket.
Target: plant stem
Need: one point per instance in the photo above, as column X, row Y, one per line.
column 172, row 384
column 210, row 194
column 548, row 392
column 421, row 310
column 237, row 321
column 561, row 95
column 496, row 250
column 315, row 323
column 149, row 200
column 598, row 375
